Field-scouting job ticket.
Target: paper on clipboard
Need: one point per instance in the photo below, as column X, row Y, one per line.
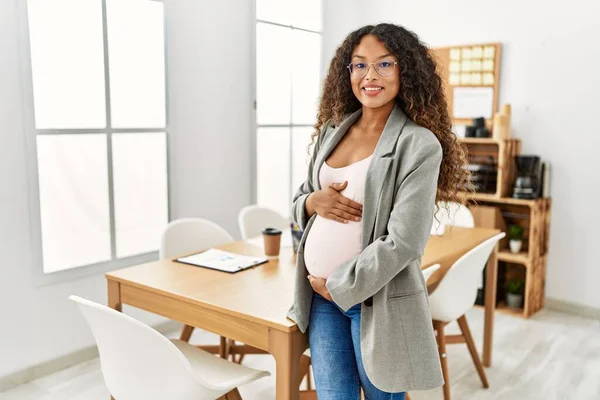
column 222, row 260
column 472, row 102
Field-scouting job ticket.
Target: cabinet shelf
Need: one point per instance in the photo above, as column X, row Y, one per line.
column 496, row 153
column 518, row 258
column 492, row 198
column 504, row 309
column 472, row 140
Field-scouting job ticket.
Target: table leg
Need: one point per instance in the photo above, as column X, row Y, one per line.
column 114, row 295
column 491, row 281
column 287, row 348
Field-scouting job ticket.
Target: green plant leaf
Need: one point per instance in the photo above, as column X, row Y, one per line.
column 515, row 232
column 515, row 286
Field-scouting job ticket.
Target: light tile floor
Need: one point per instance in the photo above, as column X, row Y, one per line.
column 551, row 356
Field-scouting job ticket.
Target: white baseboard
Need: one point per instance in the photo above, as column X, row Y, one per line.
column 66, row 361
column 572, row 308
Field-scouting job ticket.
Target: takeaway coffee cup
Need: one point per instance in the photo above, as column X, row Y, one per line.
column 272, row 239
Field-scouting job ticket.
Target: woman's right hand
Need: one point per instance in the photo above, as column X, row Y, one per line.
column 329, row 203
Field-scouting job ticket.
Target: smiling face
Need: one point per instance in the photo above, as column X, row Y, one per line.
column 374, row 90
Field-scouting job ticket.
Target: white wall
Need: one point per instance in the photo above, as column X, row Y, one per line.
column 210, row 115
column 210, row 86
column 340, row 17
column 550, row 75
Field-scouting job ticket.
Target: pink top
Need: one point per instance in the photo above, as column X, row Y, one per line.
column 330, row 243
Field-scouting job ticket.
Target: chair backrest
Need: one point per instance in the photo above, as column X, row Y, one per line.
column 253, row 219
column 427, row 272
column 456, row 292
column 137, row 362
column 449, row 213
column 187, row 235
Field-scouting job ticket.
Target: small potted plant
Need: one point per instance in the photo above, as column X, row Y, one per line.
column 514, row 292
column 515, row 234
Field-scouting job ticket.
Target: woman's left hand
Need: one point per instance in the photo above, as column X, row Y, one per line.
column 318, row 285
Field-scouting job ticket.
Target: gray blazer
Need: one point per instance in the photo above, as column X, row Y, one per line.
column 398, row 345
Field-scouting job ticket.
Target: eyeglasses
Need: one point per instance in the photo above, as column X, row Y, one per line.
column 361, row 69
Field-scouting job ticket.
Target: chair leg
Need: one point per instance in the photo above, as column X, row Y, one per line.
column 229, row 343
column 441, row 339
column 224, row 348
column 236, row 358
column 464, row 327
column 304, row 369
column 240, row 358
column 186, row 333
column 308, row 395
column 309, row 385
column 233, row 395
column 407, row 397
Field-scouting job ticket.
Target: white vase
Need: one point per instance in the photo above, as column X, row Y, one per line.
column 514, row 300
column 515, row 245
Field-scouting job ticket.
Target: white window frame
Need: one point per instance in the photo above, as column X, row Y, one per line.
column 255, row 125
column 41, row 278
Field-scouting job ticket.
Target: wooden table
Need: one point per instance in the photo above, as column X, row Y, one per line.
column 250, row 306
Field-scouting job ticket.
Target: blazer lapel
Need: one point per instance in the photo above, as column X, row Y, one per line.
column 378, row 170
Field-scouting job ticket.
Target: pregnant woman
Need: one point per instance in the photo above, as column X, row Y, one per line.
column 383, row 154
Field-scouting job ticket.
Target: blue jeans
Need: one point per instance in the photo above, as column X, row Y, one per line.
column 334, row 337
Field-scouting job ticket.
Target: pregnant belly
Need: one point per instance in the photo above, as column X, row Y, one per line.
column 329, row 244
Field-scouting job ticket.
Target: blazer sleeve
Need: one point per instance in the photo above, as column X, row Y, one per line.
column 408, row 229
column 299, row 201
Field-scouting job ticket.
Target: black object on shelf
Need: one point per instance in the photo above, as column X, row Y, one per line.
column 477, row 129
column 479, row 122
column 484, row 175
column 500, row 294
column 482, row 132
column 529, row 177
column 470, row 131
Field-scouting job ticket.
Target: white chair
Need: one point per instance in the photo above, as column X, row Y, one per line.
column 254, row 218
column 427, row 272
column 448, row 213
column 453, row 297
column 139, row 363
column 185, row 236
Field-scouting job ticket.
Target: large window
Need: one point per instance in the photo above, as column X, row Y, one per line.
column 98, row 94
column 288, row 60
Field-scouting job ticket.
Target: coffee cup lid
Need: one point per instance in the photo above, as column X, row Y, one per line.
column 271, row 231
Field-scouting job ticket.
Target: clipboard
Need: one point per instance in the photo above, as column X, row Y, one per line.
column 222, row 260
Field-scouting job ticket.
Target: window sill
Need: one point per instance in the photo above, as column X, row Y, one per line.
column 45, row 279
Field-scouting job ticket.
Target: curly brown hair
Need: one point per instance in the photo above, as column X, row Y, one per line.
column 421, row 97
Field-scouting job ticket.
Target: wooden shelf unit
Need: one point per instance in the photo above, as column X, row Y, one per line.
column 534, row 216
column 502, row 152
